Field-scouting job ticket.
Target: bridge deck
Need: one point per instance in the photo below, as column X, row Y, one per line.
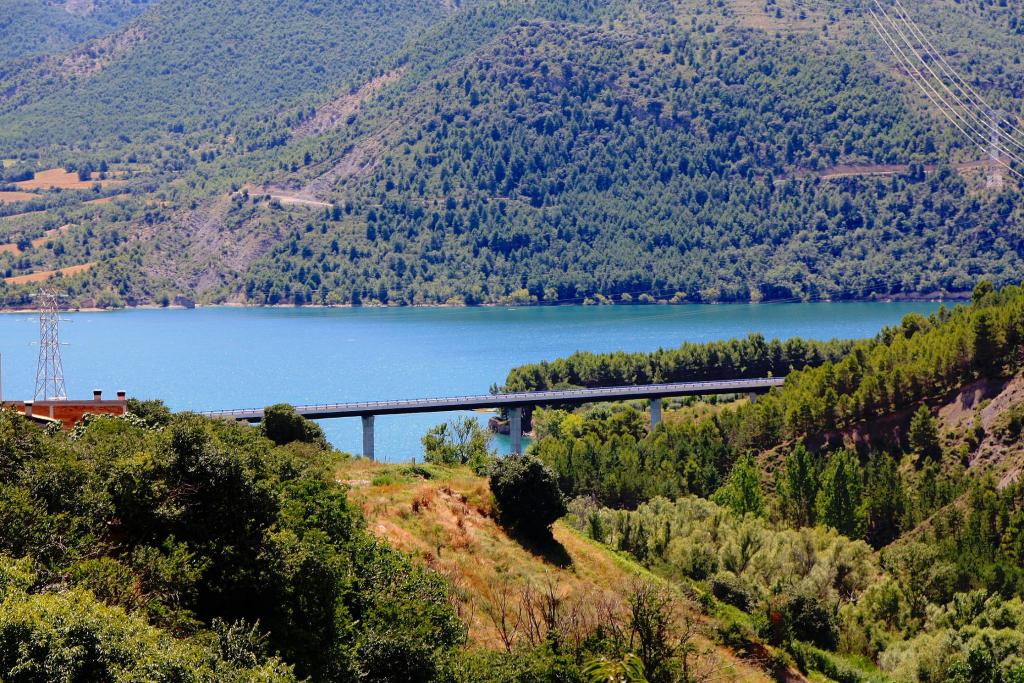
column 523, row 399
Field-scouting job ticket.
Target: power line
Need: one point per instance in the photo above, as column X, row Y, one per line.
column 964, row 86
column 947, row 110
column 981, row 120
column 968, row 117
column 987, row 118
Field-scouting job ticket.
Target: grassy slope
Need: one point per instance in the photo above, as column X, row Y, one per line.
column 447, row 522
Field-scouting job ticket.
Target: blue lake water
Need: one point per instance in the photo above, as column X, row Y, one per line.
column 221, row 358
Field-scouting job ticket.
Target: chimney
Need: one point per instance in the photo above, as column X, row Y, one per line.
column 28, row 408
column 122, row 396
column 97, row 394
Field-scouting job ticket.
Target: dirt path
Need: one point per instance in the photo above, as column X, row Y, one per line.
column 288, row 198
column 854, row 170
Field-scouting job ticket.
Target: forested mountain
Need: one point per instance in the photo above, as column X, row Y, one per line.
column 36, row 27
column 511, row 152
column 186, row 66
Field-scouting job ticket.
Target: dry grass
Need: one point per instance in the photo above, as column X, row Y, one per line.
column 59, row 179
column 44, row 275
column 15, row 197
column 448, row 523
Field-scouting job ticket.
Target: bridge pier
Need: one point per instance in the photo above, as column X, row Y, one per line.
column 655, row 413
column 367, row 436
column 752, row 396
column 515, row 424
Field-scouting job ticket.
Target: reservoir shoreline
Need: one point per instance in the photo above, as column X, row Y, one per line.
column 956, row 298
column 235, row 357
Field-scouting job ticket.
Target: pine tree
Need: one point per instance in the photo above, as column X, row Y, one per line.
column 986, row 345
column 838, row 501
column 924, row 434
column 742, row 491
column 798, row 487
column 884, row 501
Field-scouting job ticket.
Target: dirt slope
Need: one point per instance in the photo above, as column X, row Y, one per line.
column 447, row 522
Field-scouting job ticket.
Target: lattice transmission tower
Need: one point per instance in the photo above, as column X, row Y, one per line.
column 50, row 370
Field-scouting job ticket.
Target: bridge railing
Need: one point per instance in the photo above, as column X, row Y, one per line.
column 521, row 398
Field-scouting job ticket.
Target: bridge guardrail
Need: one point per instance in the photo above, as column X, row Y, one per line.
column 443, row 404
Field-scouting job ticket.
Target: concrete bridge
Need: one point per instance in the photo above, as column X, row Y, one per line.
column 514, row 403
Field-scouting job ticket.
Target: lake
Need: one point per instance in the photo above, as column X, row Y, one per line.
column 221, row 358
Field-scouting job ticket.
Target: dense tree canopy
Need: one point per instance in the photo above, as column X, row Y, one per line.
column 177, row 529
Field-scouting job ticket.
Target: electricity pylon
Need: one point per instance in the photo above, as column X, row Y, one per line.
column 50, row 370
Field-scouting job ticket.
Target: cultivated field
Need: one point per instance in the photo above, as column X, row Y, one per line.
column 15, row 197
column 59, row 179
column 44, row 275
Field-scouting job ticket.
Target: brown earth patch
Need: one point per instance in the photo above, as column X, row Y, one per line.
column 981, row 403
column 753, row 14
column 97, row 54
column 58, row 178
column 44, row 275
column 204, row 250
column 15, row 197
column 448, row 524
column 361, row 159
column 1005, row 459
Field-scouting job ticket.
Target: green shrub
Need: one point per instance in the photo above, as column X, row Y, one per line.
column 282, row 425
column 812, row 619
column 459, row 442
column 527, row 494
column 732, row 590
column 71, row 636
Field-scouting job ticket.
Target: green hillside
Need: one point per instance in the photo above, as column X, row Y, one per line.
column 868, row 517
column 186, row 66
column 667, row 155
column 37, row 27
